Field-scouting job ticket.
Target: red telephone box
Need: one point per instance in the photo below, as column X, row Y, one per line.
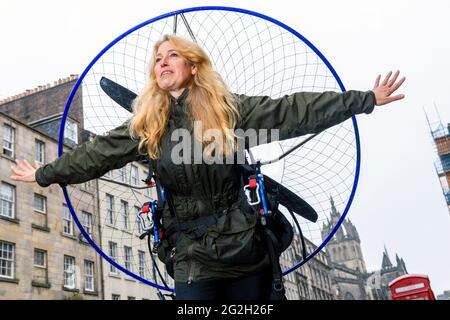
column 411, row 287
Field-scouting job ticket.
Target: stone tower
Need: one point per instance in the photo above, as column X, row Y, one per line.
column 345, row 246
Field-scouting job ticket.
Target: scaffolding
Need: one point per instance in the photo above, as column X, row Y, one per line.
column 441, row 141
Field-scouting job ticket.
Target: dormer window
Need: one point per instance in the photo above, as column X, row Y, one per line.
column 71, row 131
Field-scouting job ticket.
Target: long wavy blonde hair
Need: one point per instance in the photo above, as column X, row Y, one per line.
column 209, row 100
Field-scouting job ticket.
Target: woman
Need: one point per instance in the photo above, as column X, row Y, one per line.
column 227, row 259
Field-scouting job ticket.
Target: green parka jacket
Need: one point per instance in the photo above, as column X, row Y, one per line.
column 231, row 247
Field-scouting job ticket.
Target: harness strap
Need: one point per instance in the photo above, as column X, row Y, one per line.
column 278, row 291
column 198, row 226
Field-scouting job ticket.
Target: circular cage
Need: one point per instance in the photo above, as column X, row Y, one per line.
column 255, row 55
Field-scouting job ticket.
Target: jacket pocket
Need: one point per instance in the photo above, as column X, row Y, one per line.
column 234, row 240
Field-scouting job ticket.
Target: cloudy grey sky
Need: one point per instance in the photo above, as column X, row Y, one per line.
column 399, row 201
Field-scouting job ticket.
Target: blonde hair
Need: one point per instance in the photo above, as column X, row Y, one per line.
column 209, row 100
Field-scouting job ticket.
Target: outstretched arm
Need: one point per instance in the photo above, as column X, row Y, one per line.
column 312, row 112
column 86, row 162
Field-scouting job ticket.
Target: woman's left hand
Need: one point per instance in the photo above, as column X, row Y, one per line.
column 384, row 90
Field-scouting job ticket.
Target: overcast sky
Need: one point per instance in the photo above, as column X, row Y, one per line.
column 399, row 203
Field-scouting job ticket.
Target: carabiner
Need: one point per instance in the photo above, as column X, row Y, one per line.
column 248, row 190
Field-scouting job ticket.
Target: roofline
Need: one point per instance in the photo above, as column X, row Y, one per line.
column 11, row 118
column 39, row 88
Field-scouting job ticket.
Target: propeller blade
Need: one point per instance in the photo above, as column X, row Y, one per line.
column 121, row 95
column 290, row 200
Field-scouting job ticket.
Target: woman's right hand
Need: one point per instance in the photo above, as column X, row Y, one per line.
column 24, row 171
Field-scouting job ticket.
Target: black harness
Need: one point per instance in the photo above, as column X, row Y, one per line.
column 275, row 228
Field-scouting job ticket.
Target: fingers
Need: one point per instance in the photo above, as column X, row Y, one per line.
column 17, row 178
column 19, row 174
column 385, row 81
column 22, row 170
column 398, row 84
column 377, row 81
column 17, row 170
column 18, row 167
column 392, row 81
column 37, row 164
column 20, row 164
column 394, row 98
column 28, row 165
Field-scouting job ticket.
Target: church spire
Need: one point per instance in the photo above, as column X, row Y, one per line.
column 386, row 261
column 334, row 213
column 400, row 264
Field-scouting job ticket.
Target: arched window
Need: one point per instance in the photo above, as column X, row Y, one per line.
column 349, row 296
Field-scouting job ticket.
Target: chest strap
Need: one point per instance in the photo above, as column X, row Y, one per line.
column 197, row 228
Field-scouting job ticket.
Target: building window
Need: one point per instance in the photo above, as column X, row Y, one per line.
column 124, row 212
column 134, row 172
column 109, row 175
column 6, row 260
column 141, row 255
column 40, row 266
column 40, row 203
column 113, row 256
column 88, row 275
column 137, row 210
column 40, row 258
column 8, row 141
column 115, row 296
column 86, row 186
column 71, row 131
column 128, row 258
column 110, row 209
column 69, row 272
column 39, row 151
column 67, row 221
column 7, row 198
column 122, row 174
column 131, row 298
column 87, row 222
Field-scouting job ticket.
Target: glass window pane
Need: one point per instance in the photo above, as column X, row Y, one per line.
column 7, row 195
column 6, row 259
column 39, row 203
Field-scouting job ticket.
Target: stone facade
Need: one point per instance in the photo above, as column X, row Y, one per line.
column 36, row 114
column 338, row 272
column 350, row 277
column 312, row 280
column 121, row 228
column 36, row 235
column 346, row 259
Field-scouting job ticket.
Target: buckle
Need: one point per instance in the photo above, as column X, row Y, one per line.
column 146, row 223
column 248, row 190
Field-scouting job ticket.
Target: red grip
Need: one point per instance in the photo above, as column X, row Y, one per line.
column 252, row 183
column 145, row 208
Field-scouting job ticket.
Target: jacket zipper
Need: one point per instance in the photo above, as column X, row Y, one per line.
column 191, row 265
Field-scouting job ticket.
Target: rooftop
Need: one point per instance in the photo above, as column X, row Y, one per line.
column 39, row 88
